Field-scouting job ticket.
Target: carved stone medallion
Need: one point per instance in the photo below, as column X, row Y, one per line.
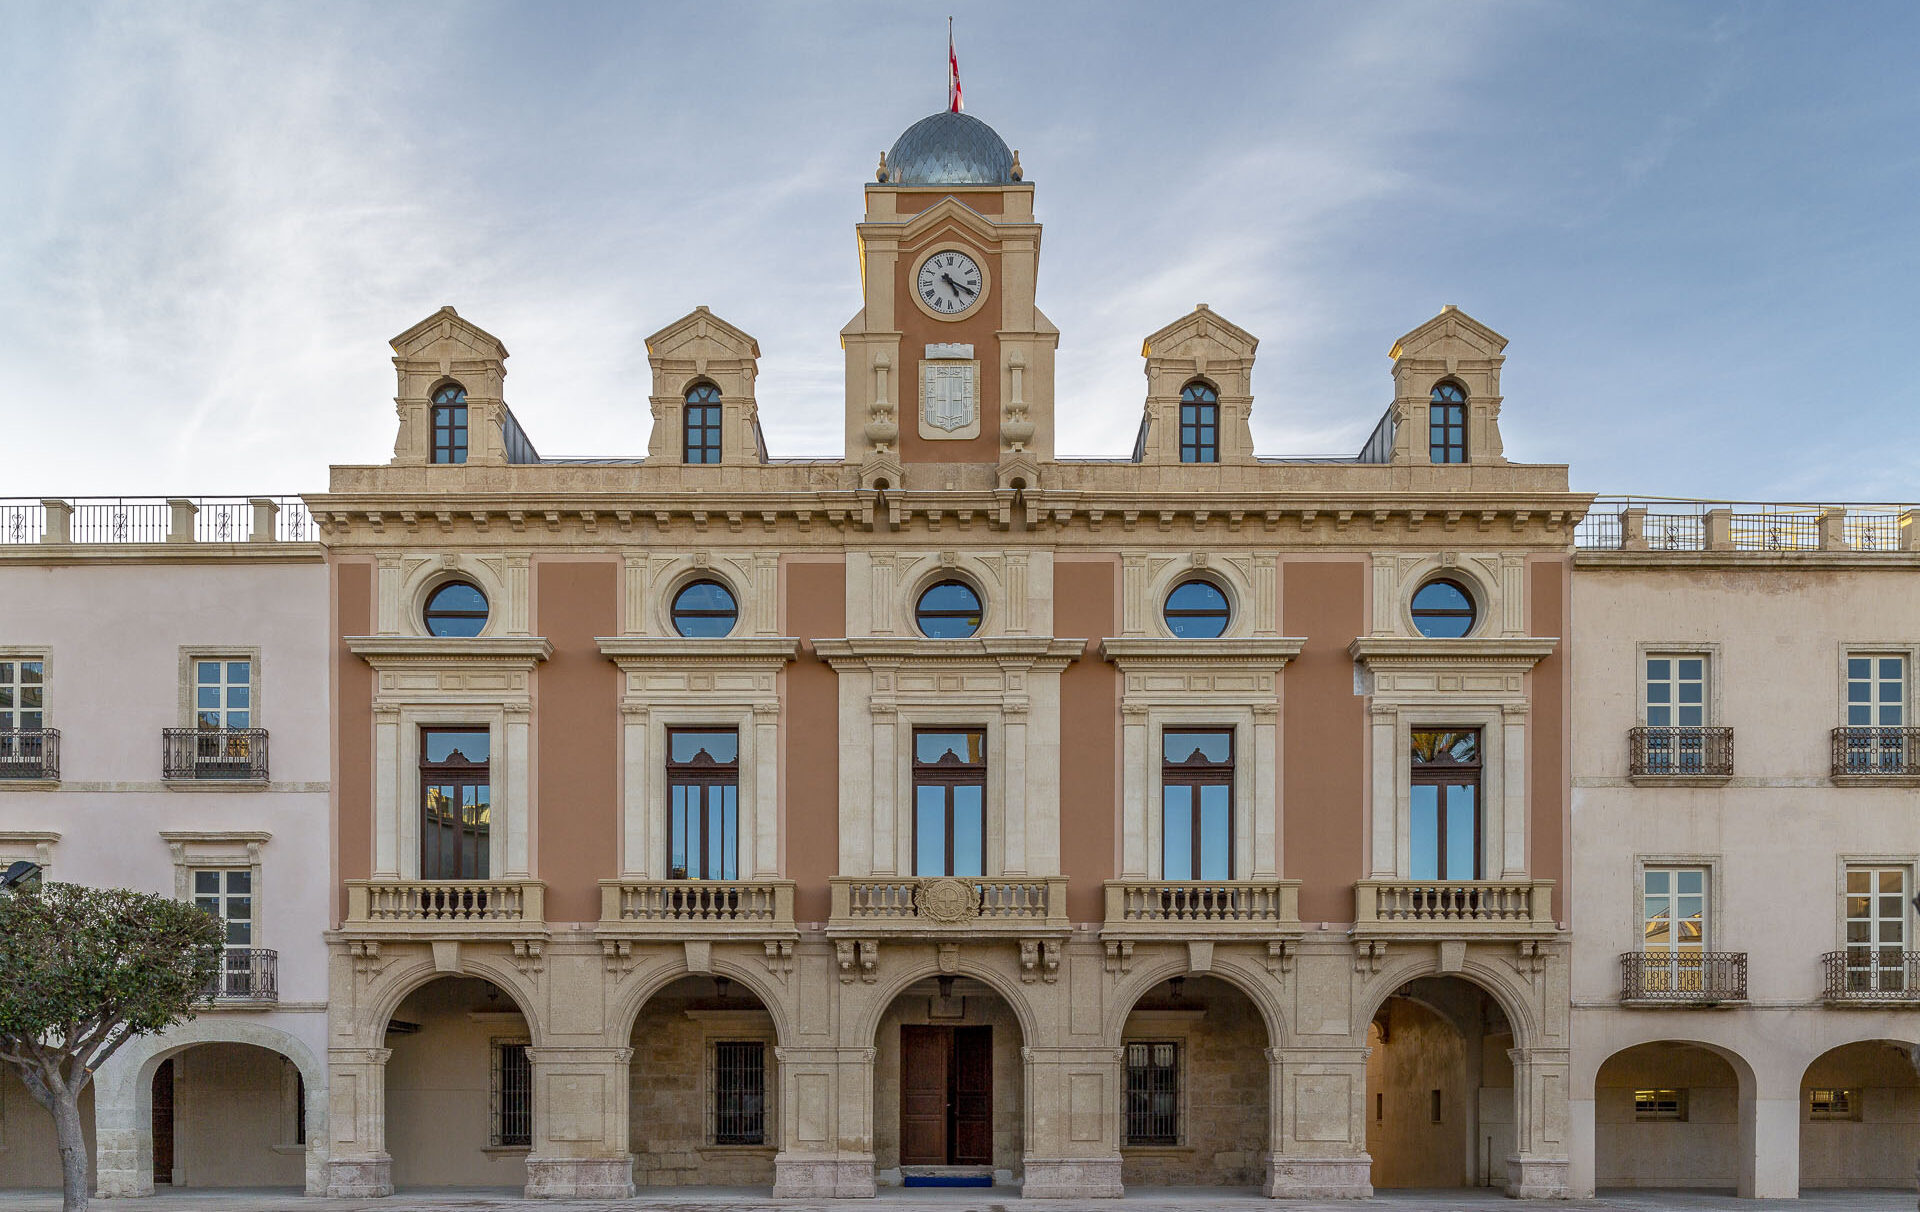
column 948, row 900
column 949, row 400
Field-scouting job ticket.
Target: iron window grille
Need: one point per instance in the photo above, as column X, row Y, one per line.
column 30, row 754
column 949, row 801
column 1696, row 978
column 1153, row 1093
column 737, row 1112
column 512, row 1087
column 456, row 793
column 247, row 974
column 1199, row 424
column 1196, row 794
column 450, row 424
column 1867, row 753
column 1446, row 820
column 1447, row 424
column 1681, row 752
column 703, row 424
column 703, row 800
column 214, row 753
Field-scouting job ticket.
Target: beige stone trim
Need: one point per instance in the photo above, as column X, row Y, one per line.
column 189, row 653
column 219, row 849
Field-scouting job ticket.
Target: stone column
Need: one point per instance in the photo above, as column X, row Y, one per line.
column 766, row 791
column 518, row 792
column 123, row 1136
column 580, row 1145
column 636, row 824
column 1770, row 1138
column 825, row 1123
column 358, row 1165
column 1541, row 1168
column 1317, row 1108
column 1266, row 791
column 1135, row 829
column 1073, row 1097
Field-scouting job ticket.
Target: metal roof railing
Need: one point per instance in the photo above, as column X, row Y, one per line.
column 25, row 520
column 1676, row 524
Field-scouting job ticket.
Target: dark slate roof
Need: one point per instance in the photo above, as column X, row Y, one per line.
column 949, row 149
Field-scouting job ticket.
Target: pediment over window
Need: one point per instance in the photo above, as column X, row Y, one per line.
column 696, row 355
column 1200, row 355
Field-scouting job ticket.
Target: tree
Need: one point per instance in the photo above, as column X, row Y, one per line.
column 82, row 971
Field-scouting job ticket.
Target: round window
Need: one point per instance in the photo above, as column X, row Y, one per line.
column 1443, row 610
column 704, row 610
column 948, row 611
column 457, row 608
column 1196, row 610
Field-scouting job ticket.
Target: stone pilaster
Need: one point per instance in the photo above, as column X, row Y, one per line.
column 826, row 1124
column 358, row 1165
column 1541, row 1168
column 580, row 1148
column 1319, row 1128
column 1073, row 1129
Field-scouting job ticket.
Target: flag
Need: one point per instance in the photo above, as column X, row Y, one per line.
column 953, row 72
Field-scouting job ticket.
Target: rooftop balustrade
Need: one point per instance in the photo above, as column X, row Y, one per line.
column 1663, row 524
column 144, row 520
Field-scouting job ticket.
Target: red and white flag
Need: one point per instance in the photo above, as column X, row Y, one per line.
column 953, row 72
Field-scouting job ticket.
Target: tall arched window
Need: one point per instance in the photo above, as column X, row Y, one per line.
column 1447, row 424
column 450, row 424
column 703, row 424
column 1199, row 424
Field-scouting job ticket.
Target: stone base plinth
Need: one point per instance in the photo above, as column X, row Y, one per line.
column 580, row 1177
column 1071, row 1178
column 1320, row 1177
column 1539, row 1178
column 837, row 1176
column 359, row 1177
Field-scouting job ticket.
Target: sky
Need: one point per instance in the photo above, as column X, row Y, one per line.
column 1693, row 222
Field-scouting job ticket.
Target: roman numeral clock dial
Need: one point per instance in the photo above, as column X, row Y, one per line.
column 949, row 282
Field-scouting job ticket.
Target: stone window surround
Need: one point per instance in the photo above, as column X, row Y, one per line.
column 223, row 850
column 1496, row 581
column 190, row 653
column 1249, row 580
column 1161, row 1026
column 1717, row 926
column 1848, row 648
column 1908, row 862
column 405, row 582
column 44, row 654
column 1007, row 584
column 649, row 584
column 32, row 845
column 1715, row 670
column 737, row 1026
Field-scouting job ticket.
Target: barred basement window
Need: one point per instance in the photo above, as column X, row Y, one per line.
column 1832, row 1104
column 1653, row 1105
column 512, row 1094
column 1153, row 1094
column 737, row 1094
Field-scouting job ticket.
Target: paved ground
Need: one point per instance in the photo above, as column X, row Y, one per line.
column 1162, row 1199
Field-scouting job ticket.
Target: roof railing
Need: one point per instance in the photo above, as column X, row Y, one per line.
column 93, row 520
column 1671, row 524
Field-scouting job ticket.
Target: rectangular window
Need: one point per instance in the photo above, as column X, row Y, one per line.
column 1653, row 1106
column 512, row 1094
column 1673, row 931
column 227, row 894
column 950, row 802
column 703, row 802
column 1875, row 739
column 1153, row 1093
column 1447, row 430
column 456, row 799
column 1832, row 1104
column 1196, row 799
column 1876, row 904
column 1199, row 432
column 738, row 1110
column 703, row 433
column 1445, row 830
column 223, row 693
column 1676, row 706
column 450, row 432
column 23, row 688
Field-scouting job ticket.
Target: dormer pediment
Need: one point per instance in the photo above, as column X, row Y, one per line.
column 701, row 334
column 1200, row 329
column 1453, row 331
column 1204, row 346
column 1451, row 351
column 696, row 350
column 445, row 337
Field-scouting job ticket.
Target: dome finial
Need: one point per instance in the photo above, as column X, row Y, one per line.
column 1015, row 172
column 880, row 174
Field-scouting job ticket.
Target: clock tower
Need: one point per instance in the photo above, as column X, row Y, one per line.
column 949, row 363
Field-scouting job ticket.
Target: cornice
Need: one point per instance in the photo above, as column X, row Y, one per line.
column 1392, row 651
column 230, row 836
column 441, row 650
column 748, row 650
column 890, row 650
column 1260, row 651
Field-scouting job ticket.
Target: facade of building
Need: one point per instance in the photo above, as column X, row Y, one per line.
column 948, row 808
column 1745, row 845
column 164, row 726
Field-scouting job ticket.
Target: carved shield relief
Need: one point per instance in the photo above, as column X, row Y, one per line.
column 949, row 399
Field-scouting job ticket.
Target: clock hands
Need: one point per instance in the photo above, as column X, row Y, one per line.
column 955, row 286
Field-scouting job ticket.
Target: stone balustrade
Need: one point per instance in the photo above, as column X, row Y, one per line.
column 1184, row 909
column 675, row 909
column 447, row 908
column 876, row 905
column 1453, row 907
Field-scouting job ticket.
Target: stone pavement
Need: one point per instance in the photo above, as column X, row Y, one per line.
column 1159, row 1199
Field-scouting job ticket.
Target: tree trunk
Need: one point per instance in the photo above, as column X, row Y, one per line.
column 73, row 1149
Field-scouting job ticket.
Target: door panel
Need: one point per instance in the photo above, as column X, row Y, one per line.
column 163, row 1122
column 973, row 1096
column 925, row 1053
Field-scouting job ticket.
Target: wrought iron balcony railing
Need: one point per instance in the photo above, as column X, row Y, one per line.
column 1867, row 754
column 247, row 974
column 1681, row 753
column 215, row 754
column 32, row 753
column 1872, row 974
column 1703, row 978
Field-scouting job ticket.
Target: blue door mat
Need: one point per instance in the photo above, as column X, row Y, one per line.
column 946, row 1180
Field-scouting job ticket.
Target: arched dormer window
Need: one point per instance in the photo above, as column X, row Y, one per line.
column 703, row 423
column 450, row 424
column 1447, row 424
column 1199, row 424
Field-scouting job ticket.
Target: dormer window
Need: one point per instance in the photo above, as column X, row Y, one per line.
column 1447, row 424
column 703, row 424
column 450, row 424
column 1199, row 424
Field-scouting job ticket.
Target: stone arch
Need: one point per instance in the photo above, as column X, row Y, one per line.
column 632, row 995
column 392, row 986
column 1513, row 999
column 867, row 1023
column 1246, row 976
column 1862, row 1131
column 123, row 1099
column 1719, row 1145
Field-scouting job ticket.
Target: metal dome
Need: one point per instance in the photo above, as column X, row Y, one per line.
column 949, row 148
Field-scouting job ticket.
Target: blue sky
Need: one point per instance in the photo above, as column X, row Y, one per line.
column 1694, row 222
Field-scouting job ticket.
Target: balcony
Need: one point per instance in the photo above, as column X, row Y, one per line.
column 670, row 910
column 1680, row 756
column 215, row 755
column 1453, row 908
column 248, row 974
column 1888, row 757
column 1202, row 909
column 30, row 755
column 506, row 909
column 1709, row 978
column 948, row 907
column 1872, row 976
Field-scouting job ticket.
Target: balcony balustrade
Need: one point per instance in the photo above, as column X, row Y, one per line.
column 948, row 906
column 1874, row 976
column 676, row 909
column 1463, row 908
column 1707, row 978
column 247, row 974
column 1184, row 909
column 1889, row 756
column 215, row 754
column 446, row 908
column 31, row 754
column 1680, row 755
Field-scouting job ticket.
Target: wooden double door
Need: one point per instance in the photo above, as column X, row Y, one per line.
column 946, row 1096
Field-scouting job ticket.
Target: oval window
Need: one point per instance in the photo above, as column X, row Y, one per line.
column 1442, row 610
column 704, row 610
column 948, row 611
column 457, row 608
column 1197, row 610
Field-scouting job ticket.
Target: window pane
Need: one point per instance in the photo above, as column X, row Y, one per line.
column 1177, row 833
column 1659, row 669
column 1425, row 863
column 209, row 671
column 206, row 882
column 1462, row 813
column 720, row 747
column 969, row 831
column 930, row 831
column 239, row 882
column 442, row 745
column 1185, row 747
column 933, row 747
column 1216, row 834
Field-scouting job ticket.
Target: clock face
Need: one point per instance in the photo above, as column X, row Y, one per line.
column 949, row 282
